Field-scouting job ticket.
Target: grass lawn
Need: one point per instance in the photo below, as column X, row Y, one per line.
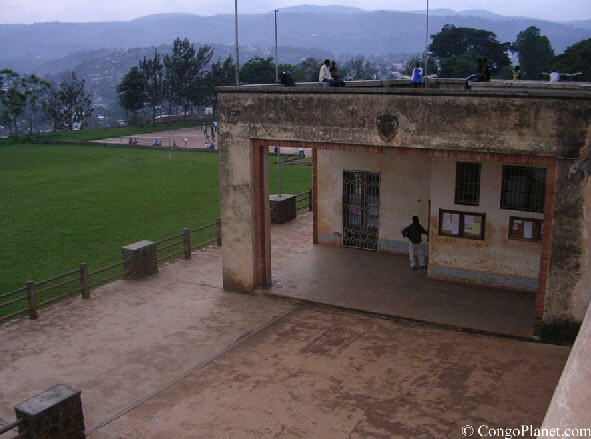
column 63, row 205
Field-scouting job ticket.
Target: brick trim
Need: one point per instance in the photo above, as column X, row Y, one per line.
column 415, row 152
column 260, row 234
column 551, row 177
column 314, row 196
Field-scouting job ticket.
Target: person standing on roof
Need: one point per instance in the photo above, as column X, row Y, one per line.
column 417, row 75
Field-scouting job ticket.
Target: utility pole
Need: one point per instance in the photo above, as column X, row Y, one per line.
column 276, row 57
column 236, row 26
column 426, row 57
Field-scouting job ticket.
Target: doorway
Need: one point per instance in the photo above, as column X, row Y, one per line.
column 361, row 209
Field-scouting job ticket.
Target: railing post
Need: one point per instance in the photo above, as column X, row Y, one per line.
column 84, row 281
column 218, row 231
column 310, row 199
column 31, row 296
column 187, row 243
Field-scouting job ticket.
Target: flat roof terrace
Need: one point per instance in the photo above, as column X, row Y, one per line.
column 437, row 86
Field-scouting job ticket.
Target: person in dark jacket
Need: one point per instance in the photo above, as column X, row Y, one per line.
column 414, row 232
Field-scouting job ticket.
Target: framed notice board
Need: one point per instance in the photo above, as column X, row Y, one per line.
column 526, row 229
column 467, row 225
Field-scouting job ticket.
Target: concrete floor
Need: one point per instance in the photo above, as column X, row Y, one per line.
column 383, row 283
column 317, row 373
column 173, row 356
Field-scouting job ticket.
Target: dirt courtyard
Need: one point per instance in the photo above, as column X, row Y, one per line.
column 189, row 138
column 174, row 356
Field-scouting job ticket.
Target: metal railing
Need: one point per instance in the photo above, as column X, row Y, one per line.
column 35, row 295
column 304, row 201
column 80, row 281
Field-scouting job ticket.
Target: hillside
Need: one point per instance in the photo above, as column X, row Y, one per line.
column 339, row 30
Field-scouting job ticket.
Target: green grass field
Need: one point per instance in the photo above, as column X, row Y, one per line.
column 64, row 205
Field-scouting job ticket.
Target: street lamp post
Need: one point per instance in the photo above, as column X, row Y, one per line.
column 426, row 57
column 236, row 27
column 276, row 57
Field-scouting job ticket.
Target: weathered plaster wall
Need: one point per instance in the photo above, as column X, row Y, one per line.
column 236, row 207
column 567, row 257
column 517, row 261
column 404, row 192
column 582, row 292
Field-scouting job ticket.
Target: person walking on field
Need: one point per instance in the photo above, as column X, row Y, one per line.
column 414, row 234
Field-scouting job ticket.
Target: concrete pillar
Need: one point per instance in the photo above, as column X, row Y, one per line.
column 140, row 259
column 571, row 401
column 53, row 414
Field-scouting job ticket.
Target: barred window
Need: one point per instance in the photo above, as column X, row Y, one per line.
column 467, row 183
column 523, row 188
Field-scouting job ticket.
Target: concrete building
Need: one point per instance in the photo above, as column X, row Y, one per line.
column 497, row 174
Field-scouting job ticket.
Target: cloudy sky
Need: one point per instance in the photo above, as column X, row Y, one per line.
column 30, row 11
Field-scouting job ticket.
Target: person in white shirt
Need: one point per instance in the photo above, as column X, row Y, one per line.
column 324, row 75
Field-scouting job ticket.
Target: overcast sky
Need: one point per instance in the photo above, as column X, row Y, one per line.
column 30, row 11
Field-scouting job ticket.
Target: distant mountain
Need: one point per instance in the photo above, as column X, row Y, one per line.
column 583, row 24
column 334, row 29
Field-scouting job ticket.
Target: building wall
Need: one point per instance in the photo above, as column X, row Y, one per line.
column 496, row 260
column 536, row 124
column 404, row 192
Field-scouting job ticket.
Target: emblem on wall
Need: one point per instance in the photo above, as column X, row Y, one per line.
column 387, row 125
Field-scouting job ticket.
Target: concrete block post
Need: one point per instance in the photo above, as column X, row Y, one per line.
column 53, row 414
column 187, row 243
column 32, row 300
column 84, row 286
column 140, row 259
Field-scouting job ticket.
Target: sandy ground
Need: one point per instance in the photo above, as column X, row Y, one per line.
column 195, row 140
column 174, row 356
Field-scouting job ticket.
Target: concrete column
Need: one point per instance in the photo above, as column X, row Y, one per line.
column 140, row 259
column 236, row 203
column 53, row 414
column 570, row 403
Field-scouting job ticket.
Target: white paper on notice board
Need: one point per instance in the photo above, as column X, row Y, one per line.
column 528, row 229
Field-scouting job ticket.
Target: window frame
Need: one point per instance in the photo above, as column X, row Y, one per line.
column 461, row 221
column 530, row 193
column 457, row 186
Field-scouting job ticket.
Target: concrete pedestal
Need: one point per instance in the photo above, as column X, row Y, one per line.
column 53, row 414
column 140, row 259
column 283, row 208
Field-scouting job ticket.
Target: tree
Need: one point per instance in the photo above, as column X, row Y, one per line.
column 412, row 62
column 131, row 91
column 574, row 59
column 307, row 70
column 258, row 71
column 535, row 52
column 12, row 99
column 35, row 92
column 184, row 72
column 469, row 43
column 152, row 74
column 357, row 69
column 219, row 74
column 68, row 103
